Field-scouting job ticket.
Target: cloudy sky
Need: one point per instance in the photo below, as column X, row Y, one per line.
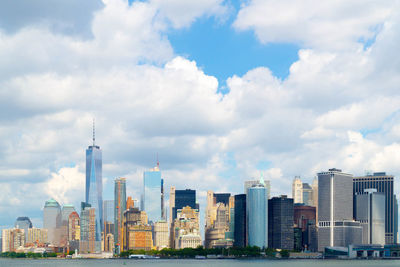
column 220, row 89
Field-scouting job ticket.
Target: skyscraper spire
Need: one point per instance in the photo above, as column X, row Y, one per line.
column 94, row 133
column 262, row 178
column 158, row 163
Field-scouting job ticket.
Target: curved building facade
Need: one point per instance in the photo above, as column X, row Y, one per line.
column 257, row 210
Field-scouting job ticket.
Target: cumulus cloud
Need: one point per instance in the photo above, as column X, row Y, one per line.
column 331, row 25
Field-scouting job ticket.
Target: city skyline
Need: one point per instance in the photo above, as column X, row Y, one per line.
column 217, row 89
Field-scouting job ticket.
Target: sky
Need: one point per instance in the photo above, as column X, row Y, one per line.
column 221, row 90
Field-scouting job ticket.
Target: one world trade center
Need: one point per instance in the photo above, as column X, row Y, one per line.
column 94, row 185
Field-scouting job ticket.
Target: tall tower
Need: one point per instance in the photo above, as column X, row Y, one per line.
column 383, row 183
column 152, row 193
column 335, row 210
column 94, row 184
column 257, row 215
column 120, row 207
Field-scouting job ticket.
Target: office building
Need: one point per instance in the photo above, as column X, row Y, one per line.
column 280, row 223
column 179, row 199
column 74, row 227
column 257, row 215
column 137, row 234
column 52, row 221
column 336, row 227
column 161, row 235
column 152, row 194
column 185, row 228
column 120, row 207
column 240, row 221
column 88, row 241
column 23, row 223
column 370, row 211
column 250, row 183
column 12, row 239
column 305, row 220
column 297, row 190
column 383, row 183
column 109, row 243
column 108, row 211
column 94, row 184
column 36, row 236
column 217, row 218
column 304, row 193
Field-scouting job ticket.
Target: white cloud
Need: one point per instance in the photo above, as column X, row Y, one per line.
column 327, row 24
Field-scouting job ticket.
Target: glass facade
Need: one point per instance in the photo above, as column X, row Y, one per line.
column 257, row 221
column 94, row 186
column 23, row 223
column 280, row 216
column 240, row 221
column 184, row 198
column 152, row 194
column 108, row 211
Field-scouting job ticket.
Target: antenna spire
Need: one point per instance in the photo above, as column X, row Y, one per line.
column 94, row 133
column 158, row 163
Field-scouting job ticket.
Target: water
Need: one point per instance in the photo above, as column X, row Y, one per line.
column 197, row 263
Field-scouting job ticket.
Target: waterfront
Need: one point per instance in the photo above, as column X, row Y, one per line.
column 199, row 263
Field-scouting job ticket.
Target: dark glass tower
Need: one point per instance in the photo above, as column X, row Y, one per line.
column 184, row 198
column 383, row 184
column 280, row 225
column 94, row 184
column 240, row 221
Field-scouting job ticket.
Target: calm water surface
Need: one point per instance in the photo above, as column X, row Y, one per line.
column 198, row 263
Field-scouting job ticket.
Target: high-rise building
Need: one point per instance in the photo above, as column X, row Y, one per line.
column 23, row 223
column 185, row 229
column 74, row 227
column 63, row 231
column 88, row 242
column 336, row 226
column 308, row 195
column 52, row 221
column 108, row 211
column 12, row 239
column 314, row 186
column 280, row 223
column 257, row 215
column 120, row 207
column 36, row 236
column 180, row 199
column 161, row 235
column 383, row 183
column 94, row 184
column 217, row 219
column 370, row 211
column 297, row 190
column 137, row 234
column 305, row 220
column 250, row 183
column 152, row 194
column 240, row 221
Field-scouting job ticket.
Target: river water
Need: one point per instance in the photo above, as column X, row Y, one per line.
column 196, row 263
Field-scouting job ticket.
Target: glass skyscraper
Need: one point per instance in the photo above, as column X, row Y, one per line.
column 240, row 221
column 152, row 194
column 94, row 185
column 257, row 212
